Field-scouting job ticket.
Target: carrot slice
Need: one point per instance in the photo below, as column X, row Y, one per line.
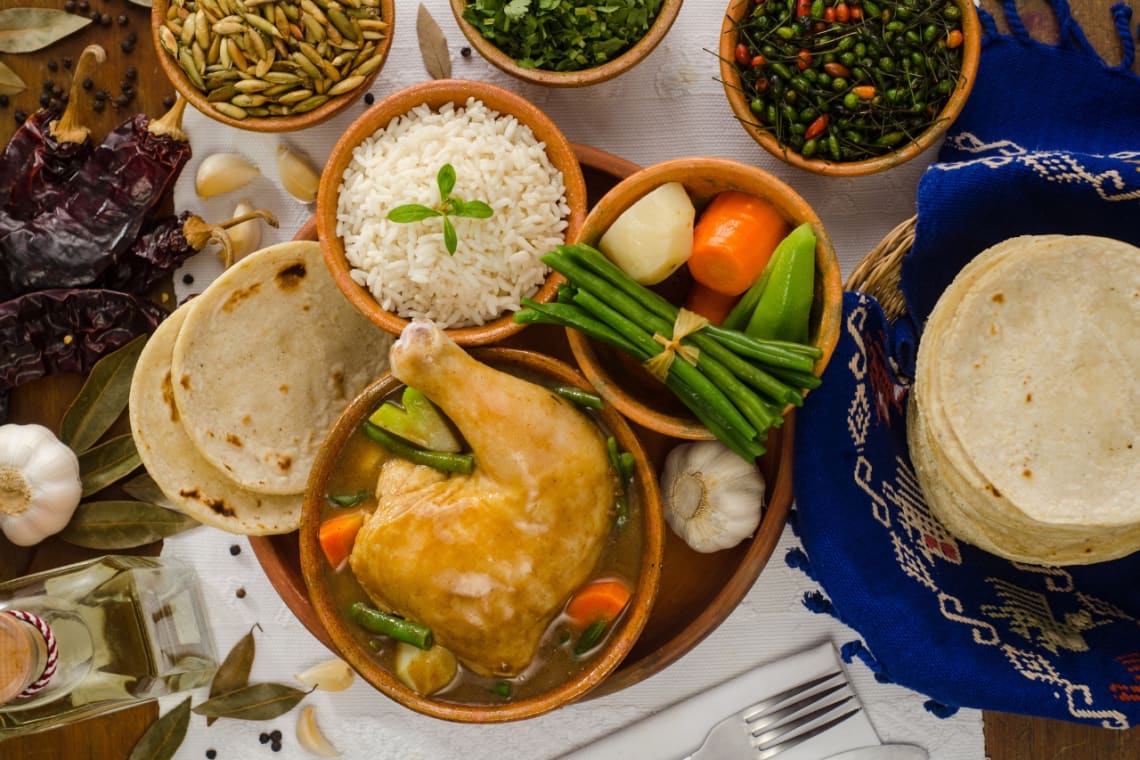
column 733, row 240
column 710, row 304
column 603, row 599
column 337, row 535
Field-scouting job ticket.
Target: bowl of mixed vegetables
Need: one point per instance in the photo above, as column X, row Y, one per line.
column 703, row 300
column 564, row 44
column 848, row 87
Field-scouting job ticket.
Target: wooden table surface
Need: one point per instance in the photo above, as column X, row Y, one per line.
column 1008, row 737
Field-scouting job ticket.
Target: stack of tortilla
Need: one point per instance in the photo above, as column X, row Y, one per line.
column 237, row 389
column 1024, row 424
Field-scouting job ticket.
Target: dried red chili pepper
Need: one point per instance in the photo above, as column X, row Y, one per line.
column 67, row 330
column 164, row 244
column 47, row 150
column 107, row 202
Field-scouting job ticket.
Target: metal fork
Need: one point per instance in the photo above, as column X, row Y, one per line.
column 777, row 723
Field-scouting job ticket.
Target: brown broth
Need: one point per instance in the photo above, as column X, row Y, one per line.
column 357, row 468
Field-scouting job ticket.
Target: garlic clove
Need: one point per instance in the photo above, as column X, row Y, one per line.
column 244, row 237
column 222, row 172
column 330, row 675
column 297, row 177
column 310, row 737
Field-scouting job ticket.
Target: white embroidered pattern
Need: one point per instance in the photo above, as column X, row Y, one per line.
column 920, row 542
column 1052, row 165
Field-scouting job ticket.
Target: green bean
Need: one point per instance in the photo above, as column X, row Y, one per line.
column 591, row 637
column 394, row 626
column 576, row 395
column 440, row 460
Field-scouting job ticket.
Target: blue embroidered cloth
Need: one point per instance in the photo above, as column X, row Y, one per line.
column 935, row 614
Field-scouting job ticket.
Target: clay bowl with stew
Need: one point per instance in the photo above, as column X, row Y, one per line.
column 737, row 71
column 632, row 56
column 348, row 460
column 384, row 115
column 622, row 381
column 277, row 107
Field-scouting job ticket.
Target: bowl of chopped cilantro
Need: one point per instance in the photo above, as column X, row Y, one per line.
column 562, row 43
column 848, row 87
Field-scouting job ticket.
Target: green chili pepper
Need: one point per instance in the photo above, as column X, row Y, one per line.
column 785, row 305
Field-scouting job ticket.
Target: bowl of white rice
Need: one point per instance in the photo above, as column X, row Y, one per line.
column 503, row 152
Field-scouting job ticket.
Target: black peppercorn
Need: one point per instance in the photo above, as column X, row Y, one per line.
column 97, row 106
column 235, row 550
column 84, row 6
column 52, row 65
column 44, row 100
column 3, row 101
column 275, row 735
column 105, row 19
column 126, row 46
column 465, row 51
column 369, row 98
column 187, row 279
column 48, row 85
column 88, row 84
column 133, row 37
column 275, row 746
column 168, row 101
column 55, row 104
column 264, row 738
column 94, row 15
column 131, row 73
column 211, row 754
column 123, row 20
column 20, row 116
column 57, row 91
column 69, row 6
column 240, row 593
column 66, row 62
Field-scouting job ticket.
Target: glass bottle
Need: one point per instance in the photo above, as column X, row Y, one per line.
column 122, row 629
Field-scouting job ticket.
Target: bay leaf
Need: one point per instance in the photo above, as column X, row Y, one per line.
column 102, row 398
column 102, row 465
column 10, row 82
column 106, row 525
column 259, row 701
column 433, row 45
column 233, row 673
column 163, row 737
column 143, row 488
column 24, row 30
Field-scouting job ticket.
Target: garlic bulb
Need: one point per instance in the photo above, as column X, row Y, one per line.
column 39, row 483
column 713, row 499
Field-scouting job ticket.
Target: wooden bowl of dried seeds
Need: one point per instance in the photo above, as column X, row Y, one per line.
column 273, row 66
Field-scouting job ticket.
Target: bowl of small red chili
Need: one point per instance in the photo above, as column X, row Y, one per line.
column 848, row 87
column 567, row 45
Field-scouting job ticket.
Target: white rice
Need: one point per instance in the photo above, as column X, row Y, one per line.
column 406, row 266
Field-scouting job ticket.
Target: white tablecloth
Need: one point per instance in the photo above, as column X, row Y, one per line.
column 670, row 106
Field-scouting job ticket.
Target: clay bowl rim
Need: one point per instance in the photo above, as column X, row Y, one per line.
column 734, row 174
column 971, row 50
column 584, row 77
column 198, row 99
column 434, row 94
column 620, row 642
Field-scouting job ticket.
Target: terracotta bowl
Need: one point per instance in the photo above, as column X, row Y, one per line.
column 730, row 76
column 624, row 62
column 703, row 589
column 288, row 123
column 619, row 379
column 435, row 94
column 646, row 508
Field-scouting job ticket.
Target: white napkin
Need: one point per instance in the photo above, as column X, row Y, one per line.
column 678, row 730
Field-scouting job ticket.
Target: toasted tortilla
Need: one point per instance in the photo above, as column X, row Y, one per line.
column 1027, row 432
column 270, row 355
column 194, row 485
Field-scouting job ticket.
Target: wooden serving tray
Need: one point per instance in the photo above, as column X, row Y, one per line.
column 698, row 591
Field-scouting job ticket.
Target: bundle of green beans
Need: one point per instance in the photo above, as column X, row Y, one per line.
column 738, row 387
